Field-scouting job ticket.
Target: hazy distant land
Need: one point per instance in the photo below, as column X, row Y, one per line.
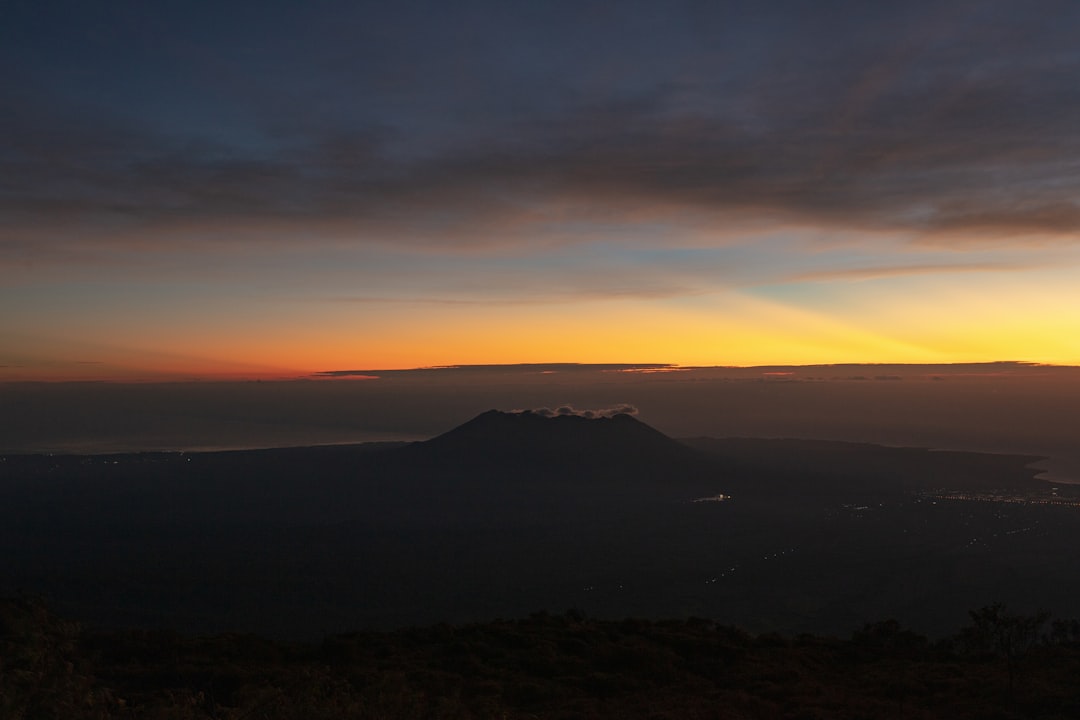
column 514, row 512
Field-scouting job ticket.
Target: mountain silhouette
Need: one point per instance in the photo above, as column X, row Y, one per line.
column 617, row 445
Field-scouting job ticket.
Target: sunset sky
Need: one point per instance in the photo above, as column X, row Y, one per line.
column 278, row 189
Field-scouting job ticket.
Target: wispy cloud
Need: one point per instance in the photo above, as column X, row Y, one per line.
column 887, row 271
column 558, row 296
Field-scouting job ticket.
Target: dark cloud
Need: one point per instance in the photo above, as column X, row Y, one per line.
column 521, row 369
column 944, row 123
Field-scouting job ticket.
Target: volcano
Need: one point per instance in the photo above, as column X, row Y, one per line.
column 617, row 445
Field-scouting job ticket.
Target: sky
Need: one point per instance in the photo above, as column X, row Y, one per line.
column 281, row 189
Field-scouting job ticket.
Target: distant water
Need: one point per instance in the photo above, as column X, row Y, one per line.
column 139, row 445
column 1059, row 469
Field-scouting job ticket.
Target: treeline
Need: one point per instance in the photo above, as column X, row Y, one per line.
column 1003, row 665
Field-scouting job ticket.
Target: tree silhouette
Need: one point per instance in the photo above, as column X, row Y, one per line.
column 1007, row 635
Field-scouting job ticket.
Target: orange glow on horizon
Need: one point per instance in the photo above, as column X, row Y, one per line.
column 646, row 336
column 915, row 322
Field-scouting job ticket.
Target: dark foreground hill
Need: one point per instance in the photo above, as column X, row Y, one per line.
column 543, row 666
column 515, row 512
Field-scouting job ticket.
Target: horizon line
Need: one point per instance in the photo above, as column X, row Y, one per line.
column 538, row 368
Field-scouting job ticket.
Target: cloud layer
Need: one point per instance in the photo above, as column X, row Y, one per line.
column 951, row 125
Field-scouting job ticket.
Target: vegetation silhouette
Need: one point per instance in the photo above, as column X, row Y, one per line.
column 1009, row 636
column 540, row 666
